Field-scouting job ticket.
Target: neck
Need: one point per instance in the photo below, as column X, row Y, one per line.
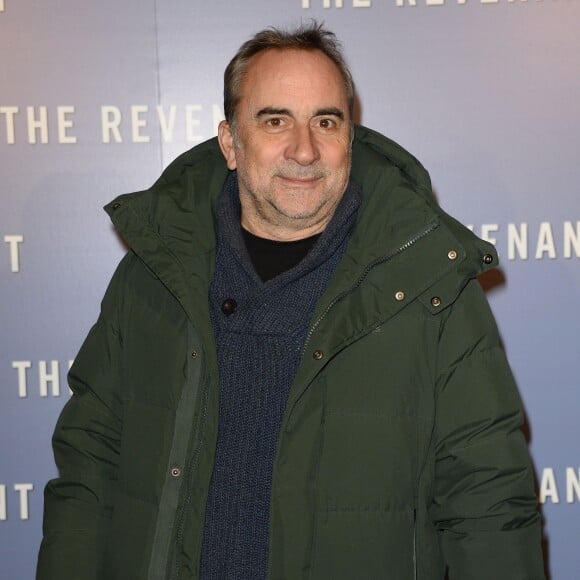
column 282, row 233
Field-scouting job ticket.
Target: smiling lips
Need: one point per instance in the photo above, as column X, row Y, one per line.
column 301, row 179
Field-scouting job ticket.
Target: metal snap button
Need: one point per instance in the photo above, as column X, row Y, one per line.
column 400, row 295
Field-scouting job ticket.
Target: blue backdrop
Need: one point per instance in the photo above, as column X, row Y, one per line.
column 97, row 97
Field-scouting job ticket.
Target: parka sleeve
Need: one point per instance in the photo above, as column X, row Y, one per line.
column 86, row 442
column 484, row 507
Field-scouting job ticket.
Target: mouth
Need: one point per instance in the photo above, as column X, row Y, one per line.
column 300, row 180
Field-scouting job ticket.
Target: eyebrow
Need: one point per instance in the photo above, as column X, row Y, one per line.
column 330, row 111
column 272, row 111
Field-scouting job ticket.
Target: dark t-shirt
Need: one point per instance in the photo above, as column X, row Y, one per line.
column 272, row 257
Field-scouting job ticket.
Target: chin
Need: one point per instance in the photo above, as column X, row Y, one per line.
column 308, row 214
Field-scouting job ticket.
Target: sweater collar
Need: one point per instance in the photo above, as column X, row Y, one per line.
column 228, row 217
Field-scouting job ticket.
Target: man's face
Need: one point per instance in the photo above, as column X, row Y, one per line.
column 290, row 143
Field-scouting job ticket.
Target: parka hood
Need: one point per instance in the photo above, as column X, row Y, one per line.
column 175, row 217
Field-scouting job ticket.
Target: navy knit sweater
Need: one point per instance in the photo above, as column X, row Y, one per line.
column 260, row 329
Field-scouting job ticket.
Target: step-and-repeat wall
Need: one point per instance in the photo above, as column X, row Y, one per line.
column 97, row 97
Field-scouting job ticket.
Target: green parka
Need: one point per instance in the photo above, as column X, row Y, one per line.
column 400, row 452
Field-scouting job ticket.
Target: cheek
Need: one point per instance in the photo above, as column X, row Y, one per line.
column 338, row 157
column 261, row 162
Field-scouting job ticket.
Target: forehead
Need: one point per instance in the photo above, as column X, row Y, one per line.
column 277, row 77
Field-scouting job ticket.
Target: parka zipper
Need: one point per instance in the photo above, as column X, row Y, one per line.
column 189, row 475
column 383, row 259
column 415, row 543
column 386, row 258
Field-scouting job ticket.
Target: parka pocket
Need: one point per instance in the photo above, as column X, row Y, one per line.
column 364, row 542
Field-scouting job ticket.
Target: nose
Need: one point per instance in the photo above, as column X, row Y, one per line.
column 302, row 148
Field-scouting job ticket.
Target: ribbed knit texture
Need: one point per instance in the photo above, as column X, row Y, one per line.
column 259, row 347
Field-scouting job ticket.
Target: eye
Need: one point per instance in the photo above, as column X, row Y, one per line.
column 274, row 122
column 327, row 124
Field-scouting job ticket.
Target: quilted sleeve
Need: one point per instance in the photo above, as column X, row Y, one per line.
column 484, row 507
column 78, row 504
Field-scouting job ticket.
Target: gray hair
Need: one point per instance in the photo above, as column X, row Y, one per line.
column 308, row 37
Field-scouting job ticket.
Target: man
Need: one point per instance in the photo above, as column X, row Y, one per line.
column 295, row 373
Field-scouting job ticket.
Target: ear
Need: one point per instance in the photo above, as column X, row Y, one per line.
column 226, row 141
